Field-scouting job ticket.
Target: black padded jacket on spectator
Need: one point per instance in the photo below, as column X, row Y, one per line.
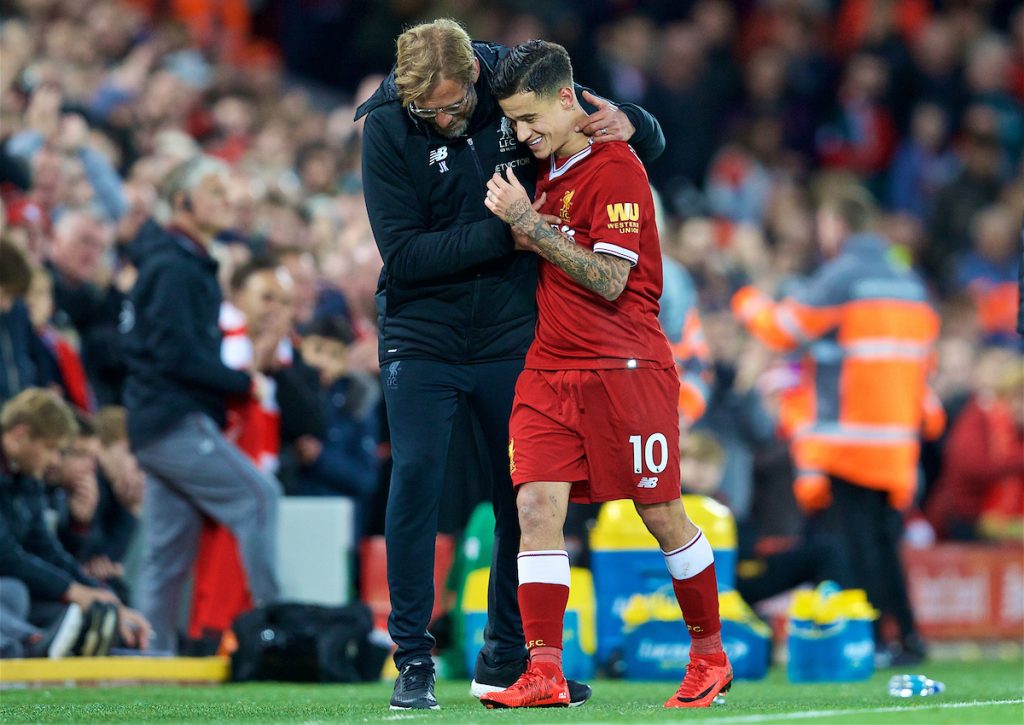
column 172, row 339
column 28, row 550
column 452, row 288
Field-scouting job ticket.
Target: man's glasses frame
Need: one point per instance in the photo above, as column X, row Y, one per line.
column 449, row 110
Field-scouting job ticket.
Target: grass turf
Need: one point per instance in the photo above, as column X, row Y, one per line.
column 977, row 692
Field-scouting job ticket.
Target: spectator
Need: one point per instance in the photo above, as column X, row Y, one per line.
column 85, row 301
column 47, row 124
column 872, row 329
column 57, row 357
column 862, row 135
column 922, row 164
column 988, row 274
column 176, row 394
column 683, row 97
column 980, row 493
column 73, row 488
column 988, row 82
column 975, row 188
column 34, row 426
column 20, row 370
column 20, row 638
column 344, row 461
column 120, row 503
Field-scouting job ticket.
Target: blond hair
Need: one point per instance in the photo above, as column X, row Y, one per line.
column 429, row 53
column 43, row 411
column 702, row 447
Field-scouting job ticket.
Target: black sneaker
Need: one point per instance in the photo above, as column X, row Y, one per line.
column 493, row 678
column 414, row 688
column 98, row 630
column 57, row 640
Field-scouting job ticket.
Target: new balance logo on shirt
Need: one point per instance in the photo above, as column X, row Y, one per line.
column 648, row 482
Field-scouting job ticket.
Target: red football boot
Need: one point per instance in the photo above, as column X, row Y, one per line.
column 702, row 683
column 534, row 688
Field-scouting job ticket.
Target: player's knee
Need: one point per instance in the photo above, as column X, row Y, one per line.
column 667, row 522
column 536, row 513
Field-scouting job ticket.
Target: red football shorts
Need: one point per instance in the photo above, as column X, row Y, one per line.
column 613, row 434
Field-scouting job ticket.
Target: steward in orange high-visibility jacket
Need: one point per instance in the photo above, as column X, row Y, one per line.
column 868, row 332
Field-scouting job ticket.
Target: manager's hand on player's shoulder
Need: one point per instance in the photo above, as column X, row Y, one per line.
column 607, row 123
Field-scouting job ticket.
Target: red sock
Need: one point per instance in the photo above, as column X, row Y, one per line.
column 698, row 601
column 543, row 610
column 543, row 596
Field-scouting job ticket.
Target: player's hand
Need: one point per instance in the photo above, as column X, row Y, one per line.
column 607, row 123
column 507, row 198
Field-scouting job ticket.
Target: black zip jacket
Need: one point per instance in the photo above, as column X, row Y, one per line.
column 452, row 287
column 172, row 339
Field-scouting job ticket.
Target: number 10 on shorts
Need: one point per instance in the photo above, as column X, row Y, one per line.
column 644, row 452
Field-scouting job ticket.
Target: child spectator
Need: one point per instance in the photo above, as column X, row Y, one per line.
column 344, row 462
column 120, row 500
column 73, row 490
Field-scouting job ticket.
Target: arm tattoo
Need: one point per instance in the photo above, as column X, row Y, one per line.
column 600, row 273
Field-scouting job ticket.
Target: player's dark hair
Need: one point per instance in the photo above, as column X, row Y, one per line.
column 535, row 66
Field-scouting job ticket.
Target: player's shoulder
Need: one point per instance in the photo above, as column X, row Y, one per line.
column 618, row 154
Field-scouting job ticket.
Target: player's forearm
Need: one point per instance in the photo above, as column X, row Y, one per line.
column 597, row 272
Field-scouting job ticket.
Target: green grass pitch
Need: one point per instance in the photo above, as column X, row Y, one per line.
column 977, row 692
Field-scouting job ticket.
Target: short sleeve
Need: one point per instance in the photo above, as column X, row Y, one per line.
column 621, row 193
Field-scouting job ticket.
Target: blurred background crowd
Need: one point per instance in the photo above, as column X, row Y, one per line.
column 765, row 104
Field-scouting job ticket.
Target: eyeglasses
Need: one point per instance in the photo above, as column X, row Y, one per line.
column 449, row 110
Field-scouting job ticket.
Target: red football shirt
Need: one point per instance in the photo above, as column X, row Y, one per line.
column 603, row 198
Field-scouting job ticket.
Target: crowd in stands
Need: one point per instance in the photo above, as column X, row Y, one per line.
column 765, row 105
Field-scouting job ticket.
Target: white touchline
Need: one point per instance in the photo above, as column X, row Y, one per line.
column 863, row 711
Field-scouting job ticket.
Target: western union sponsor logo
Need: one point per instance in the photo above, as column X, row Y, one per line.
column 623, row 212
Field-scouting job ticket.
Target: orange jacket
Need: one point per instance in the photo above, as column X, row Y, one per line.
column 868, row 333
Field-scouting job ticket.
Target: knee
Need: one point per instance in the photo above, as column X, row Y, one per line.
column 421, row 473
column 16, row 597
column 536, row 513
column 668, row 523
